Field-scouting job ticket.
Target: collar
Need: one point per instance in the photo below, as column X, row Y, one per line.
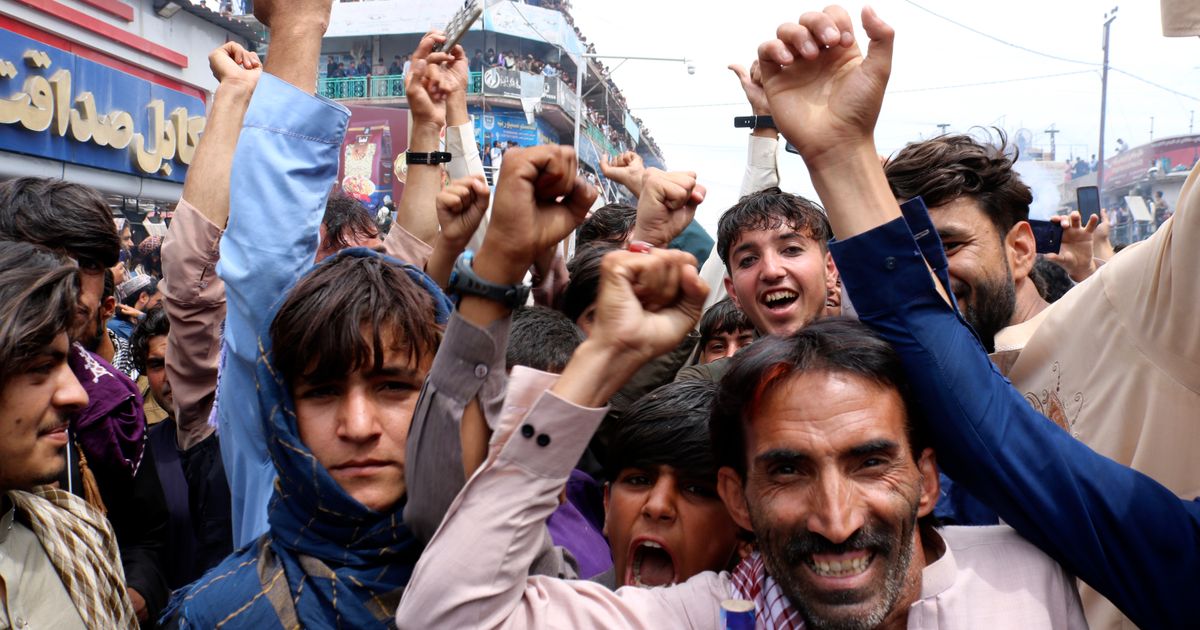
column 1016, row 336
column 6, row 521
column 939, row 575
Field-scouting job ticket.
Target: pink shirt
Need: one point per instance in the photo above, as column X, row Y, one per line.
column 475, row 571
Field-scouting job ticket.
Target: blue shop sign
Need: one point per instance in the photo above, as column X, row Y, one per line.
column 57, row 105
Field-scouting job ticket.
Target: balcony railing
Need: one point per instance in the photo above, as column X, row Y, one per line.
column 379, row 86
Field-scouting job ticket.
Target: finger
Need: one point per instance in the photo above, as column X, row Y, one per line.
column 555, row 173
column 755, row 73
column 439, row 58
column 772, row 55
column 822, row 28
column 1093, row 221
column 841, row 20
column 581, row 199
column 798, row 40
column 458, row 53
column 255, row 61
column 698, row 195
column 878, row 62
column 1074, row 219
column 425, row 46
column 742, row 75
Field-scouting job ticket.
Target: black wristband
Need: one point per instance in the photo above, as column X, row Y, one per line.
column 754, row 122
column 436, row 157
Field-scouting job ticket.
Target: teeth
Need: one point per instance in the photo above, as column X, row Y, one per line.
column 779, row 295
column 841, row 568
column 650, row 544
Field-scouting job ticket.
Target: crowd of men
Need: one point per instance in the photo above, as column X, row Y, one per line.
column 523, row 408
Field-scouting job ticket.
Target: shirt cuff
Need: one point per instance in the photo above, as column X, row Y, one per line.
column 470, row 359
column 284, row 108
column 552, row 437
column 883, row 269
column 190, row 253
column 456, row 139
column 762, row 152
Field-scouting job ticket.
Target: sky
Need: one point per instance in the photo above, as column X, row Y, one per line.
column 691, row 116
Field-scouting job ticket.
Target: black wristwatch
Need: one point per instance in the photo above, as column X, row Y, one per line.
column 464, row 281
column 754, row 122
column 434, row 157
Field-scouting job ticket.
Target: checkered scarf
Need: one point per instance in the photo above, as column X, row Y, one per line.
column 83, row 549
column 772, row 610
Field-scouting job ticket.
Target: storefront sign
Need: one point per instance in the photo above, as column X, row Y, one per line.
column 507, row 83
column 57, row 105
column 506, row 125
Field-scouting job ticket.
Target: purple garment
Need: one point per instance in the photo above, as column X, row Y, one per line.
column 570, row 529
column 111, row 429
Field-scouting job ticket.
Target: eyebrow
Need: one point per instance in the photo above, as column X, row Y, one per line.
column 951, row 231
column 874, row 447
column 777, row 455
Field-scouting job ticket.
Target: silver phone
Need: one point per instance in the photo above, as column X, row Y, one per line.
column 470, row 11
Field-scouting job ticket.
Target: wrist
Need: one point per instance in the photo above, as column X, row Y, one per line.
column 233, row 91
column 499, row 266
column 456, row 111
column 426, row 137
column 851, row 183
column 597, row 370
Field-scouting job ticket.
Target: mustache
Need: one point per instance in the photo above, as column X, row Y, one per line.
column 802, row 545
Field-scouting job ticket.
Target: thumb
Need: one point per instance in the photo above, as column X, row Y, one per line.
column 878, row 62
column 740, row 71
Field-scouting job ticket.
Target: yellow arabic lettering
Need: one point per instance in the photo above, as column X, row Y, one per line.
column 151, row 160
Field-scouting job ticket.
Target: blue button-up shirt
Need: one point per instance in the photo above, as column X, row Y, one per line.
column 1118, row 530
column 285, row 165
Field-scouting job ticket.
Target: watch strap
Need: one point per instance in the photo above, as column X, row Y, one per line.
column 464, row 281
column 433, row 157
column 754, row 122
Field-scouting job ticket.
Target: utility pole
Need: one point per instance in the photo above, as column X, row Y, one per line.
column 1108, row 20
column 1191, row 120
column 1151, row 129
column 942, row 127
column 1052, row 131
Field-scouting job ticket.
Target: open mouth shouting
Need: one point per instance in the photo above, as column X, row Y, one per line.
column 779, row 299
column 650, row 564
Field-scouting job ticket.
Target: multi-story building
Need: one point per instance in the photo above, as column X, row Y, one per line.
column 524, row 64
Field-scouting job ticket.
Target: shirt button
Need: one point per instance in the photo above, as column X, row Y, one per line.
column 889, row 263
column 481, row 371
column 543, row 440
column 527, row 430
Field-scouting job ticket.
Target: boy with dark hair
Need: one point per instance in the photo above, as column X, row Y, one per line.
column 579, row 296
column 610, row 224
column 724, row 329
column 778, row 268
column 346, row 223
column 663, row 518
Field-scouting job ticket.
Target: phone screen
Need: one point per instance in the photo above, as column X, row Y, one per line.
column 1088, row 198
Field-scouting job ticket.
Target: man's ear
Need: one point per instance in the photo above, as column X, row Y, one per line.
column 729, row 290
column 831, row 272
column 108, row 307
column 733, row 495
column 1020, row 246
column 930, row 484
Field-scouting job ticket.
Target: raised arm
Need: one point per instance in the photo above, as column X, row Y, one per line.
column 762, row 167
column 645, row 306
column 285, row 165
column 193, row 295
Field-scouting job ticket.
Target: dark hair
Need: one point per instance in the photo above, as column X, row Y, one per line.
column 149, row 289
column 1051, row 279
column 318, row 331
column 345, row 216
column 723, row 317
column 948, row 167
column 584, row 284
column 62, row 216
column 770, row 209
column 541, row 338
column 110, row 285
column 668, row 426
column 838, row 345
column 154, row 324
column 39, row 290
column 611, row 224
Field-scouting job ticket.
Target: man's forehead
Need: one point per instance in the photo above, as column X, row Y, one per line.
column 784, row 232
column 961, row 215
column 831, row 408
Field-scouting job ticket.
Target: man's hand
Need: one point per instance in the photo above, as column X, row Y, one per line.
column 539, row 200
column 627, row 169
column 460, row 207
column 666, row 206
column 429, row 82
column 752, row 85
column 231, row 64
column 279, row 13
column 1075, row 254
column 1102, row 248
column 646, row 304
column 824, row 95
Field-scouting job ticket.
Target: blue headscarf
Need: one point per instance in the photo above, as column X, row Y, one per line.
column 345, row 565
